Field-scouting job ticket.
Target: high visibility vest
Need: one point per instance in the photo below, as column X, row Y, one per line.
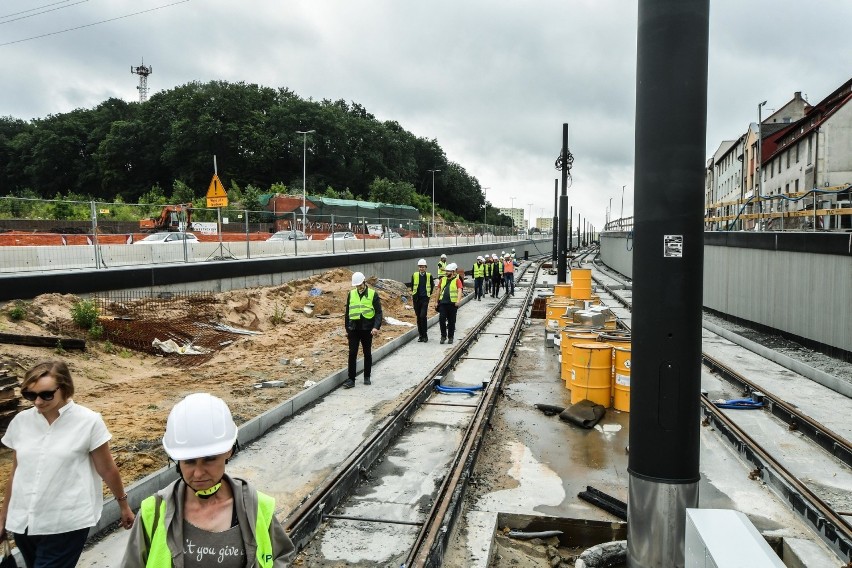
column 498, row 267
column 488, row 268
column 509, row 267
column 478, row 270
column 159, row 555
column 442, row 264
column 415, row 282
column 454, row 289
column 361, row 307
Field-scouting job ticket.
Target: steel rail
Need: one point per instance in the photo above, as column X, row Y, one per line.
column 431, row 542
column 302, row 523
column 829, row 525
column 828, row 440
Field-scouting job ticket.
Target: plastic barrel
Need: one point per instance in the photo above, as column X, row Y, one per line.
column 621, row 382
column 581, row 283
column 591, row 373
column 562, row 290
column 569, row 338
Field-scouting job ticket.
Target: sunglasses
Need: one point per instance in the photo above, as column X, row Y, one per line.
column 44, row 395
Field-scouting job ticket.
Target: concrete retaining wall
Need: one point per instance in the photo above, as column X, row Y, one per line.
column 799, row 283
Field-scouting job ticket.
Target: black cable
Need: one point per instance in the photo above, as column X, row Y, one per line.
column 93, row 24
column 39, row 13
column 33, row 9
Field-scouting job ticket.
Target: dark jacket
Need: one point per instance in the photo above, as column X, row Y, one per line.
column 374, row 323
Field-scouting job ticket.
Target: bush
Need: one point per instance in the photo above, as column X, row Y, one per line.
column 96, row 331
column 84, row 313
column 18, row 311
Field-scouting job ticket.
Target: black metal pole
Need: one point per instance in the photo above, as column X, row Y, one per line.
column 571, row 229
column 667, row 283
column 561, row 272
column 555, row 224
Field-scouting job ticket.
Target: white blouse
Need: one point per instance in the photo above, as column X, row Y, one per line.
column 56, row 488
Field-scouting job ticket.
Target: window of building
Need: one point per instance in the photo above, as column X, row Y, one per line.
column 787, row 188
column 809, row 150
column 796, row 186
column 797, row 153
column 788, row 159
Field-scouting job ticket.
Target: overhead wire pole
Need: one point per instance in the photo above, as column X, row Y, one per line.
column 564, row 162
column 304, row 134
column 433, row 199
column 555, row 224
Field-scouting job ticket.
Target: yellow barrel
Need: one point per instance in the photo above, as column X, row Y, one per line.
column 591, row 374
column 569, row 338
column 581, row 283
column 562, row 290
column 621, row 382
column 555, row 309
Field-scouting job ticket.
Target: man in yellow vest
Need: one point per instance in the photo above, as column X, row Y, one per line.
column 205, row 518
column 442, row 265
column 496, row 276
column 421, row 290
column 478, row 278
column 363, row 319
column 449, row 299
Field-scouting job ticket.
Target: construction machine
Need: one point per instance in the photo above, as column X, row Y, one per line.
column 171, row 219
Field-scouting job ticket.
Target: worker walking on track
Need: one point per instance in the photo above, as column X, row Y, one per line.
column 421, row 286
column 442, row 265
column 488, row 270
column 478, row 278
column 449, row 299
column 509, row 274
column 496, row 276
column 363, row 319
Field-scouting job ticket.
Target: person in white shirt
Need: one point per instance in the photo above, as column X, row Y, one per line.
column 61, row 452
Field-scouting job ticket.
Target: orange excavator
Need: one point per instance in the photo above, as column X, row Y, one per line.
column 170, row 219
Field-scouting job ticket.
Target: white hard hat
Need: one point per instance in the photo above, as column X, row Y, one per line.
column 451, row 266
column 421, row 262
column 502, row 252
column 494, row 256
column 508, row 255
column 443, row 256
column 358, row 279
column 199, row 426
column 479, row 258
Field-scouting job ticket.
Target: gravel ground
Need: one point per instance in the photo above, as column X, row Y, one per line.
column 831, row 365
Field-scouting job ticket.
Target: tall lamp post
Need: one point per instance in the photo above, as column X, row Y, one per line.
column 512, row 212
column 758, row 184
column 529, row 223
column 622, row 204
column 485, row 215
column 304, row 134
column 609, row 211
column 433, row 199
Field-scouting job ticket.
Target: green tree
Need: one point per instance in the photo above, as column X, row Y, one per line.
column 383, row 190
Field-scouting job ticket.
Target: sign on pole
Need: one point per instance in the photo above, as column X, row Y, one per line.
column 216, row 196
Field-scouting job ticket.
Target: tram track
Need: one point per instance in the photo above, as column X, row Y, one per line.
column 325, row 509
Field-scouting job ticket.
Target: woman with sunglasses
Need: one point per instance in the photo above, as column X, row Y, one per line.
column 61, row 452
column 205, row 517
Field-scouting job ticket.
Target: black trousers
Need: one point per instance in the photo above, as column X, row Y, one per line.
column 497, row 279
column 447, row 319
column 421, row 310
column 364, row 337
column 60, row 550
column 477, row 287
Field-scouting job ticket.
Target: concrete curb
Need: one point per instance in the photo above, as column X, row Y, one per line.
column 821, row 377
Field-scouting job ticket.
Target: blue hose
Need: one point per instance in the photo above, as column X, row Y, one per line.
column 739, row 404
column 453, row 390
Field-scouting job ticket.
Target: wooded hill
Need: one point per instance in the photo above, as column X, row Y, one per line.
column 153, row 151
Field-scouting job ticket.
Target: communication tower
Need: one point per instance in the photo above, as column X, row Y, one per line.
column 143, row 71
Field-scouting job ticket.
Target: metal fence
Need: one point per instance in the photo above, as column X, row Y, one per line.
column 63, row 235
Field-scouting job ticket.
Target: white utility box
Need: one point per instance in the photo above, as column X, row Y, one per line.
column 723, row 538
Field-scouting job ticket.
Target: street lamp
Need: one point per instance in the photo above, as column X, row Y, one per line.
column 485, row 215
column 622, row 203
column 304, row 134
column 529, row 223
column 757, row 186
column 512, row 212
column 433, row 199
column 609, row 215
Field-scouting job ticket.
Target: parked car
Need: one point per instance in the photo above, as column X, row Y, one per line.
column 391, row 235
column 167, row 238
column 341, row 235
column 288, row 236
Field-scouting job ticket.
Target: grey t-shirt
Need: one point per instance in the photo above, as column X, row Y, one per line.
column 204, row 549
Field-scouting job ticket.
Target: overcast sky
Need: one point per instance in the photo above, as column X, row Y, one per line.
column 491, row 81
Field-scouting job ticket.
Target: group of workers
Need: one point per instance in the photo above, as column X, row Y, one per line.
column 490, row 273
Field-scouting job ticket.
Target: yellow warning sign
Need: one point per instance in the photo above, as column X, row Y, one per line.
column 216, row 196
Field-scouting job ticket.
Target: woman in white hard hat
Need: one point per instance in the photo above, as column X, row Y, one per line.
column 363, row 319
column 206, row 518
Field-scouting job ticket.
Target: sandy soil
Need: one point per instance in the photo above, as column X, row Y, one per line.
column 134, row 390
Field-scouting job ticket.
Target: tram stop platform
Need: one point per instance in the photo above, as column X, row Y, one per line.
column 532, row 468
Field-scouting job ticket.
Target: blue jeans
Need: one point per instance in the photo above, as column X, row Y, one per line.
column 509, row 277
column 60, row 550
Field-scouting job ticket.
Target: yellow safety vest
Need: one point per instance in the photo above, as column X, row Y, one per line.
column 361, row 307
column 454, row 290
column 159, row 555
column 415, row 282
column 478, row 270
column 441, row 267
